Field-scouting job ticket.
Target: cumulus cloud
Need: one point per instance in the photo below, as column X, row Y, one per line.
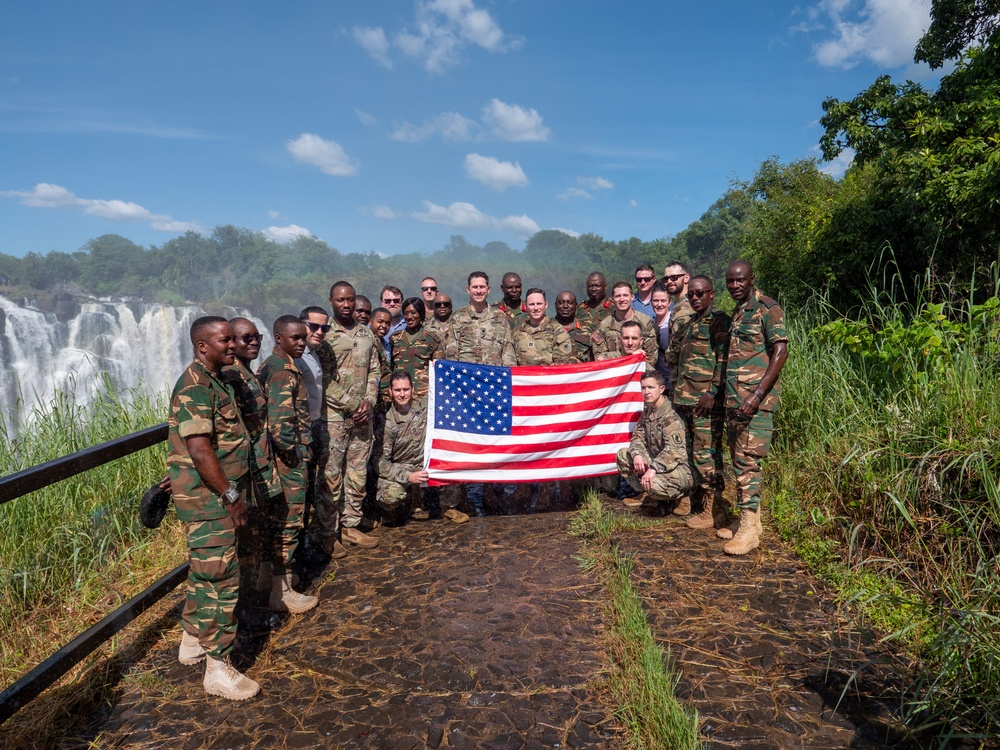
column 838, row 165
column 596, row 183
column 881, row 31
column 512, row 122
column 329, row 156
column 450, row 126
column 284, row 235
column 466, row 216
column 374, row 42
column 494, row 173
column 45, row 195
column 383, row 212
column 574, row 193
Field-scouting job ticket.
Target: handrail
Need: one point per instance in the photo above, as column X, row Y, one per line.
column 23, row 482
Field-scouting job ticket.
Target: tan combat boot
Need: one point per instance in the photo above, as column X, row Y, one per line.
column 190, row 651
column 355, row 536
column 683, row 507
column 286, row 599
column 455, row 516
column 747, row 537
column 222, row 679
column 713, row 514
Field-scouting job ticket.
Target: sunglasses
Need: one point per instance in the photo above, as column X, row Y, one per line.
column 324, row 327
column 249, row 338
column 674, row 276
column 392, row 301
column 428, row 289
column 442, row 304
column 700, row 293
column 644, row 279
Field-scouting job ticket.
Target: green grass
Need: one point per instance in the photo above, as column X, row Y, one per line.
column 642, row 679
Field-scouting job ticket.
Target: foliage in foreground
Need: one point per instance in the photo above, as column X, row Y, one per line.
column 642, row 679
column 885, row 473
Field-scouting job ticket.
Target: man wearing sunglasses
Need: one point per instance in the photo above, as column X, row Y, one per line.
column 392, row 300
column 675, row 278
column 428, row 291
column 643, row 299
column 439, row 322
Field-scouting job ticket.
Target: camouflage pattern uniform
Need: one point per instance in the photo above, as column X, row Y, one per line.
column 757, row 325
column 402, row 453
column 591, row 317
column 291, row 440
column 544, row 344
column 482, row 338
column 607, row 338
column 202, row 404
column 438, row 328
column 681, row 314
column 513, row 315
column 699, row 352
column 412, row 353
column 350, row 376
column 579, row 336
column 659, row 438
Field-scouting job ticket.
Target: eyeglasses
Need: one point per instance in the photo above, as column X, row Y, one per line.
column 249, row 338
column 442, row 304
column 644, row 279
column 700, row 293
column 392, row 301
column 324, row 327
column 675, row 276
column 428, row 289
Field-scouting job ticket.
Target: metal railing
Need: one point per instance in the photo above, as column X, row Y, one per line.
column 23, row 482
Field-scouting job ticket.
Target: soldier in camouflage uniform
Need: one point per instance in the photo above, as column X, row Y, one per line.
column 208, row 459
column 699, row 359
column 758, row 348
column 291, row 440
column 656, row 458
column 511, row 305
column 676, row 277
column 440, row 322
column 414, row 347
column 538, row 340
column 350, row 389
column 579, row 334
column 597, row 306
column 606, row 337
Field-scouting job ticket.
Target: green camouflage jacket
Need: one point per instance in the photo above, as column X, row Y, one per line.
column 700, row 364
column 591, row 317
column 413, row 352
column 544, row 344
column 202, row 404
column 252, row 404
column 287, row 408
column 481, row 338
column 579, row 336
column 660, row 439
column 435, row 326
column 403, row 443
column 758, row 324
column 606, row 338
column 384, row 377
column 681, row 313
column 513, row 315
column 350, row 369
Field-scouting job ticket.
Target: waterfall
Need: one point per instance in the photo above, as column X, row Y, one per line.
column 141, row 346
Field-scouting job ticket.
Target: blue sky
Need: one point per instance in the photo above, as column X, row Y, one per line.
column 391, row 126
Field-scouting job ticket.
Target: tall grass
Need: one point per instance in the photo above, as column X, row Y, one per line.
column 885, row 473
column 72, row 552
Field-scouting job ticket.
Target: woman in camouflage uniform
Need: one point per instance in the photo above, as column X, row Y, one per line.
column 414, row 347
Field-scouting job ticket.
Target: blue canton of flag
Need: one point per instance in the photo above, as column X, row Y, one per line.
column 472, row 398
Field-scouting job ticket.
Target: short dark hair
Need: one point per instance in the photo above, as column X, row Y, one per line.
column 619, row 285
column 389, row 288
column 677, row 263
column 311, row 310
column 283, row 323
column 659, row 286
column 631, row 324
column 202, row 324
column 400, row 375
column 536, row 290
column 336, row 284
column 359, row 298
column 702, row 277
column 654, row 375
column 381, row 309
column 478, row 275
column 417, row 303
column 645, row 267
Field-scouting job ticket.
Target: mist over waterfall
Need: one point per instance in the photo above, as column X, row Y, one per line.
column 136, row 345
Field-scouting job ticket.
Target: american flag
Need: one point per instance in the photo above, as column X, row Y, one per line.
column 529, row 424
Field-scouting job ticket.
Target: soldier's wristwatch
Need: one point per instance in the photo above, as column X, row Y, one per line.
column 230, row 497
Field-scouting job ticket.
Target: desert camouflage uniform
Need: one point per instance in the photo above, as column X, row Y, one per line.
column 202, row 404
column 513, row 315
column 438, row 328
column 402, row 453
column 482, row 338
column 699, row 351
column 291, row 441
column 756, row 327
column 412, row 353
column 659, row 438
column 591, row 317
column 607, row 338
column 579, row 336
column 350, row 376
column 544, row 344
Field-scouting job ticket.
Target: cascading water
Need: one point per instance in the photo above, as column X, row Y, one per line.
column 136, row 345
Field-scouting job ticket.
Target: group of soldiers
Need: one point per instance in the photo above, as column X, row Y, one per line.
column 337, row 414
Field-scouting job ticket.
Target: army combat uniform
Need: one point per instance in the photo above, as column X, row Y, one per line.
column 591, row 317
column 402, row 453
column 201, row 404
column 659, row 438
column 412, row 353
column 758, row 324
column 291, row 442
column 579, row 336
column 607, row 338
column 350, row 376
column 481, row 338
column 514, row 315
column 544, row 344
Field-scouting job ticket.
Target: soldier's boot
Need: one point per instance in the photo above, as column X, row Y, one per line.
column 222, row 679
column 286, row 599
column 747, row 537
column 456, row 516
column 704, row 519
column 355, row 536
column 190, row 651
column 683, row 506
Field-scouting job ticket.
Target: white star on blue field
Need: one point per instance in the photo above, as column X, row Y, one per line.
column 473, row 398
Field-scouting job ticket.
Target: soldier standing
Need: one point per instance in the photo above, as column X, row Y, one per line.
column 758, row 348
column 428, row 291
column 439, row 323
column 363, row 310
column 597, row 306
column 291, row 440
column 511, row 305
column 606, row 336
column 644, row 278
column 537, row 339
column 414, row 347
column 675, row 278
column 698, row 399
column 579, row 334
column 208, row 463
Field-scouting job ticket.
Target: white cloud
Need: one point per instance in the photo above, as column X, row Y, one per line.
column 596, row 183
column 329, row 156
column 374, row 42
column 451, row 126
column 45, row 195
column 365, row 118
column 284, row 235
column 839, row 164
column 881, row 31
column 383, row 212
column 494, row 173
column 570, row 232
column 633, row 202
column 466, row 216
column 511, row 122
column 574, row 194
column 273, row 215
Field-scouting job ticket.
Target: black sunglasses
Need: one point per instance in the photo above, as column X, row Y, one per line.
column 428, row 289
column 700, row 293
column 442, row 304
column 324, row 327
column 249, row 338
